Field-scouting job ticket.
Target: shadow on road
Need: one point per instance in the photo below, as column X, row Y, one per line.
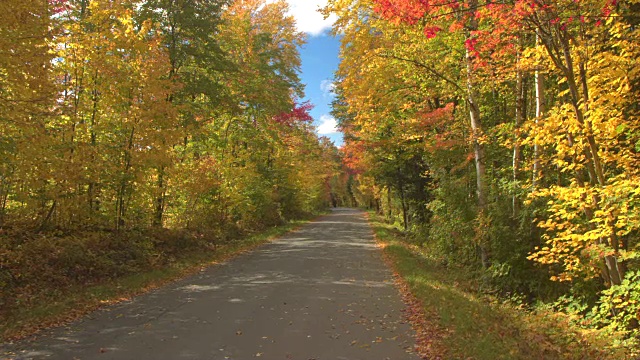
column 321, row 292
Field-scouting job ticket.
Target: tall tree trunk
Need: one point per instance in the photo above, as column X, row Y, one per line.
column 541, row 106
column 91, row 193
column 517, row 149
column 476, row 128
column 478, row 147
column 122, row 191
column 159, row 211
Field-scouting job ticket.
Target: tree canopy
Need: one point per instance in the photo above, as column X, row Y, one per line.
column 503, row 136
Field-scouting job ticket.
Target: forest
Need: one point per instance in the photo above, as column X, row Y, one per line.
column 134, row 132
column 503, row 137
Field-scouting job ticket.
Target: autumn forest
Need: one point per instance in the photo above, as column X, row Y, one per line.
column 504, row 136
column 501, row 138
column 131, row 133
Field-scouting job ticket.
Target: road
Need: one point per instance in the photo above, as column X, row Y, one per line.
column 321, row 292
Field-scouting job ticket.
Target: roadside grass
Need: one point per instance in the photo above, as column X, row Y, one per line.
column 53, row 307
column 464, row 324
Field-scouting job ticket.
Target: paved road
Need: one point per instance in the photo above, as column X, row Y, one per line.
column 320, row 293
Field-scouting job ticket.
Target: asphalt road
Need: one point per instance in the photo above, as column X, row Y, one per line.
column 321, row 292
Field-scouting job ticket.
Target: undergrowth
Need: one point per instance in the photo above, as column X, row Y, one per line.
column 477, row 325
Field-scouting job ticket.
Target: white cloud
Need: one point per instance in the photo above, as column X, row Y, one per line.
column 308, row 19
column 328, row 125
column 327, row 87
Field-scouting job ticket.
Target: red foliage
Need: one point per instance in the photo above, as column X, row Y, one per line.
column 299, row 113
column 352, row 152
column 437, row 123
column 505, row 20
column 432, row 118
column 58, row 6
column 431, row 31
column 411, row 11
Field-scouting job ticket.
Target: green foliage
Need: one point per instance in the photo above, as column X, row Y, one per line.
column 451, row 227
column 618, row 309
column 467, row 322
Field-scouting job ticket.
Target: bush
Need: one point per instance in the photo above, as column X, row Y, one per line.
column 34, row 265
column 618, row 309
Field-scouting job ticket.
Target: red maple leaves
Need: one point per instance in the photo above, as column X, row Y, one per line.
column 299, row 113
column 501, row 21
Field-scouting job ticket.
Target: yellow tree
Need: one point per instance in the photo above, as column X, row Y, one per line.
column 262, row 43
column 26, row 95
column 593, row 134
column 114, row 119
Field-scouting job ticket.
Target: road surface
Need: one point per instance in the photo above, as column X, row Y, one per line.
column 321, row 292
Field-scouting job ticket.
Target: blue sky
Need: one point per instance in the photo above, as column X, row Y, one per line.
column 319, row 62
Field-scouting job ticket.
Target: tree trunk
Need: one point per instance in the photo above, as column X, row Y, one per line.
column 479, row 152
column 159, row 211
column 405, row 219
column 92, row 191
column 540, row 112
column 476, row 128
column 388, row 202
column 44, row 223
column 517, row 149
column 122, row 191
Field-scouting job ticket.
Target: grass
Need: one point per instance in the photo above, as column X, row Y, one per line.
column 455, row 322
column 56, row 307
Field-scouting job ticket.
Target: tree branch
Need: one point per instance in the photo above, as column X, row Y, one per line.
column 423, row 66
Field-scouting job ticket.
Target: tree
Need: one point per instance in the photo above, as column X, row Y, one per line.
column 26, row 92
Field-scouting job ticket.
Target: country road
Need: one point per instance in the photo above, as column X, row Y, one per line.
column 321, row 292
